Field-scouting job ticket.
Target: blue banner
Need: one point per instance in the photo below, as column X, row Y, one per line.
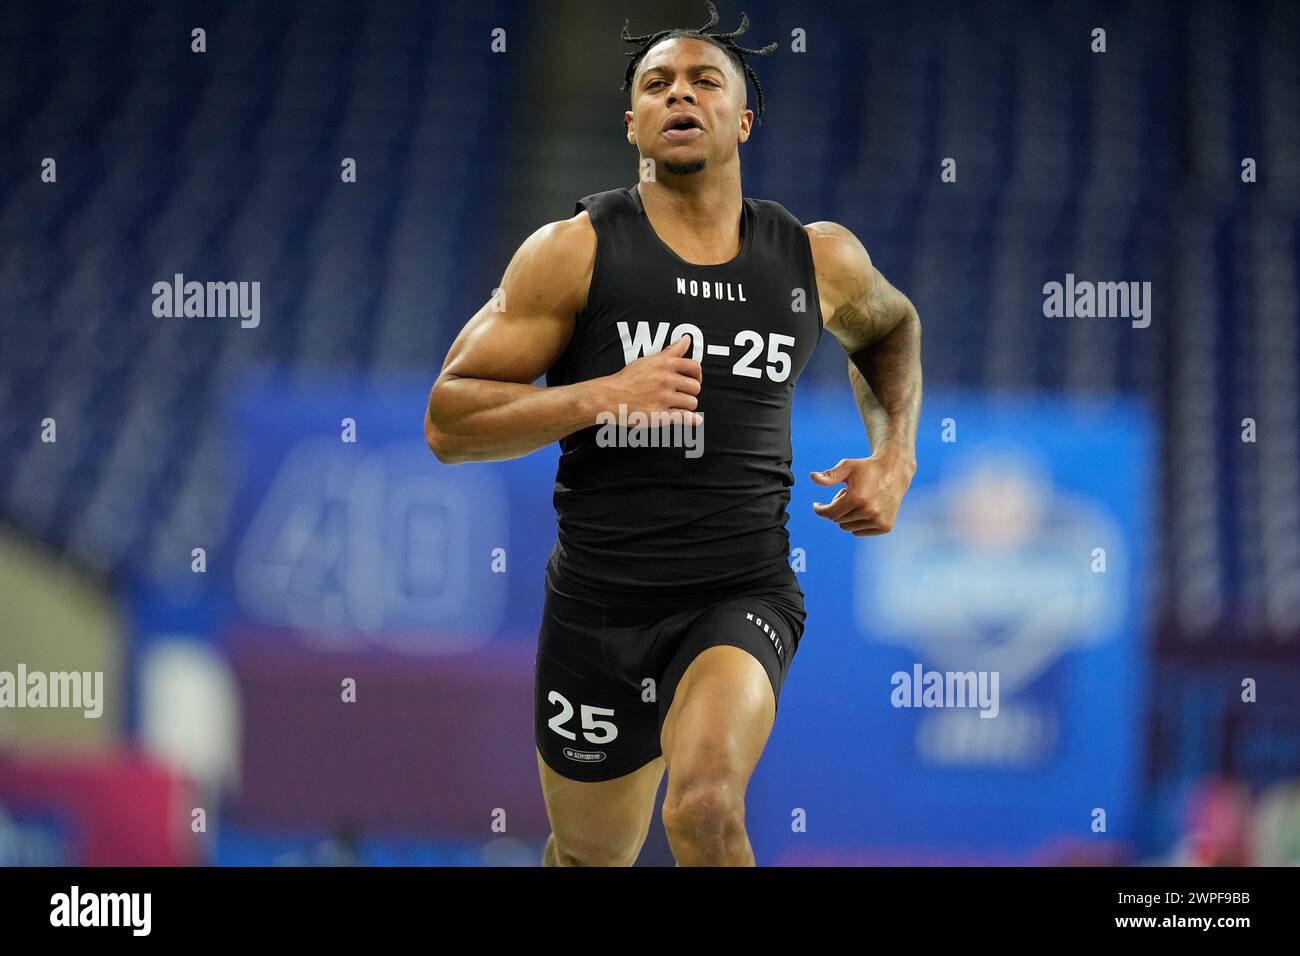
column 350, row 534
column 970, row 685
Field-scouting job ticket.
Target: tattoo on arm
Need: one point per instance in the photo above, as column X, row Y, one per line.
column 886, row 372
column 874, row 416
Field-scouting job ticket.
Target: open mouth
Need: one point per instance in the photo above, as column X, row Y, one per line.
column 682, row 127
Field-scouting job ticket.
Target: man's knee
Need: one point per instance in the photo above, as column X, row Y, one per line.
column 705, row 809
column 589, row 853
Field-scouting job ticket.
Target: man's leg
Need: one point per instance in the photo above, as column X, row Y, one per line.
column 590, row 722
column 714, row 733
column 598, row 824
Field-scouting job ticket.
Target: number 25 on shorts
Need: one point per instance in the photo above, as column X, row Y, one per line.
column 589, row 720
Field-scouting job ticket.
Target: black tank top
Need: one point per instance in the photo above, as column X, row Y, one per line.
column 663, row 523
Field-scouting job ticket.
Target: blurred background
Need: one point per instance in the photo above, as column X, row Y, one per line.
column 316, row 641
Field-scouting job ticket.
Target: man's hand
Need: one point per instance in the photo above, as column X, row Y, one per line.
column 873, row 490
column 664, row 382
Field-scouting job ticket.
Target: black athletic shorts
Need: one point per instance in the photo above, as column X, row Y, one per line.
column 606, row 670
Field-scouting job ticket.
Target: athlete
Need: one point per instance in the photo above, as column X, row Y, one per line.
column 671, row 319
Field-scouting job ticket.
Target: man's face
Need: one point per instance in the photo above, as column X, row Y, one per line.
column 688, row 106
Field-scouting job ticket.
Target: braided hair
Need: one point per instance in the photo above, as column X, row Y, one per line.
column 726, row 42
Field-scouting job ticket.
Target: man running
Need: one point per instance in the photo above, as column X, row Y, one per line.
column 672, row 319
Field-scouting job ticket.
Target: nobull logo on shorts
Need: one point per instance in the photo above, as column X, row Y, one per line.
column 767, row 629
column 584, row 756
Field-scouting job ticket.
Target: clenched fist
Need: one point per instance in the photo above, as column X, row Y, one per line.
column 664, row 382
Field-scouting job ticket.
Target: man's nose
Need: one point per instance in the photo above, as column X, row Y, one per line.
column 682, row 92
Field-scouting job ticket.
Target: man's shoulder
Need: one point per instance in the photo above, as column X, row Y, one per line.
column 830, row 234
column 555, row 262
column 836, row 250
column 565, row 239
column 842, row 266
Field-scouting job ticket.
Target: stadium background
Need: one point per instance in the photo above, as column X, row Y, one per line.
column 327, row 560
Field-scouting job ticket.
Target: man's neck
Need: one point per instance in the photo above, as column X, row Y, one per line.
column 702, row 216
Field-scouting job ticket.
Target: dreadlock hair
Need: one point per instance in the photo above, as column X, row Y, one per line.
column 723, row 41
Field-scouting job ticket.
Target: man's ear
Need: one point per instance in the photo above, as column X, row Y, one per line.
column 746, row 124
column 628, row 121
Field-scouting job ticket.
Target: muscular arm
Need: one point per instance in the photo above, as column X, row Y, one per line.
column 880, row 330
column 484, row 407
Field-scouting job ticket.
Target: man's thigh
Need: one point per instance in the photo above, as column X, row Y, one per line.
column 593, row 719
column 766, row 626
column 719, row 720
column 722, row 688
column 601, row 824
